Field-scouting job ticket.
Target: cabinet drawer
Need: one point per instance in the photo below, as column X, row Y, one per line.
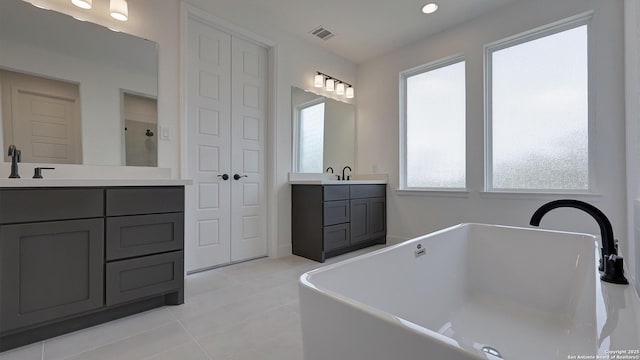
column 31, row 205
column 130, row 236
column 368, row 191
column 336, row 212
column 137, row 278
column 335, row 192
column 336, row 237
column 149, row 200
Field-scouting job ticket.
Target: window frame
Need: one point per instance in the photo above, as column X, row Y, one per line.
column 404, row 75
column 579, row 20
column 297, row 128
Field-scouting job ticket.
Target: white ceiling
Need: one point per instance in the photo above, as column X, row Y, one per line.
column 365, row 29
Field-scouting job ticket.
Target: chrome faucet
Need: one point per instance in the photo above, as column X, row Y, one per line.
column 15, row 159
column 343, row 169
column 610, row 262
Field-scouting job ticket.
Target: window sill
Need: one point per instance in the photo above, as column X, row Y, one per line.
column 461, row 193
column 538, row 195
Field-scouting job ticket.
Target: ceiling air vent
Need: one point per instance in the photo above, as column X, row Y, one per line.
column 322, row 33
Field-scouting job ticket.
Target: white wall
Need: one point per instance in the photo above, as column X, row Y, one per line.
column 156, row 20
column 296, row 62
column 377, row 123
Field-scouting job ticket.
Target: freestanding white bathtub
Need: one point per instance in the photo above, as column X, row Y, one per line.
column 471, row 291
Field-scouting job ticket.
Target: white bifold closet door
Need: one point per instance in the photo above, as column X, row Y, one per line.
column 226, row 114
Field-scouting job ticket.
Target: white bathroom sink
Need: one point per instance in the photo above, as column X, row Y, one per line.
column 478, row 291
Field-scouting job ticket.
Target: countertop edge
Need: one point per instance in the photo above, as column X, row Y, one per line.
column 28, row 183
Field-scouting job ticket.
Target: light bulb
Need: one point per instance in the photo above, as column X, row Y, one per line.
column 318, row 81
column 330, row 85
column 83, row 4
column 119, row 10
column 350, row 93
column 340, row 89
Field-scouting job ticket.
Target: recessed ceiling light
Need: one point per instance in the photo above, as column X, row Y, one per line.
column 430, row 8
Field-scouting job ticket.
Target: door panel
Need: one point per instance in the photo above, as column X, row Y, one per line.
column 359, row 220
column 42, row 118
column 377, row 218
column 208, row 147
column 249, row 109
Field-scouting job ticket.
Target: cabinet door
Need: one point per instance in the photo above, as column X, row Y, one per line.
column 50, row 270
column 377, row 218
column 359, row 220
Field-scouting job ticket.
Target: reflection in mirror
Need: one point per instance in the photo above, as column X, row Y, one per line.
column 323, row 132
column 141, row 127
column 62, row 89
column 41, row 117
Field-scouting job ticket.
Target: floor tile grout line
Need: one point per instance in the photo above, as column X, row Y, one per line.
column 115, row 341
column 195, row 340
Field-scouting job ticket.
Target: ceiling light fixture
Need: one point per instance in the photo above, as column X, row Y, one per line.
column 332, row 84
column 83, row 4
column 430, row 8
column 119, row 10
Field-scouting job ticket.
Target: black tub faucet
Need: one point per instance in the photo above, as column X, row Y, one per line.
column 610, row 263
column 343, row 169
column 15, row 159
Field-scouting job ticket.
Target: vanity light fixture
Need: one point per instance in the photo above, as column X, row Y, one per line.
column 350, row 92
column 119, row 10
column 329, row 83
column 83, row 4
column 430, row 8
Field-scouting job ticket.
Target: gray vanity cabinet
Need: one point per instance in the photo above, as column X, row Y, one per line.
column 50, row 270
column 329, row 220
column 77, row 257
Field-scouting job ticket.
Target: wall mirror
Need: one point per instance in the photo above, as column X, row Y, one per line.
column 73, row 92
column 323, row 132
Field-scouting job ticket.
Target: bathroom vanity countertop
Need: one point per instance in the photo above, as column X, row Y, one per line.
column 28, row 182
column 337, row 182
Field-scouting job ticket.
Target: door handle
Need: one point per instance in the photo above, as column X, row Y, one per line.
column 238, row 177
column 224, row 177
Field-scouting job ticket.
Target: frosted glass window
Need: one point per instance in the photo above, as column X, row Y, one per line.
column 435, row 128
column 311, row 140
column 539, row 102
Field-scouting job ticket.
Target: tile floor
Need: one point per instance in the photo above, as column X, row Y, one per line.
column 243, row 311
